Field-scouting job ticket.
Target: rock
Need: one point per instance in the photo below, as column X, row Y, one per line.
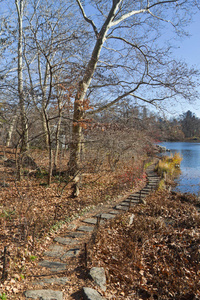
column 131, row 219
column 160, row 149
column 114, row 212
column 65, row 241
column 54, row 251
column 60, row 280
column 91, row 221
column 76, row 235
column 91, row 294
column 86, row 228
column 143, row 201
column 56, row 248
column 53, row 265
column 71, row 253
column 44, row 294
column 106, row 216
column 99, row 277
column 120, row 207
column 124, row 203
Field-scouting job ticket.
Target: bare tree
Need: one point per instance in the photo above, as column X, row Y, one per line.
column 24, row 135
column 49, row 49
column 126, row 60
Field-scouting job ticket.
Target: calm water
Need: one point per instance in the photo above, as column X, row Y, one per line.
column 189, row 180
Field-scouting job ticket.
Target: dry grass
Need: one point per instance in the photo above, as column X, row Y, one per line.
column 169, row 165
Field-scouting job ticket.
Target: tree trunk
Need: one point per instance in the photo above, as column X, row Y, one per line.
column 45, row 131
column 24, row 127
column 57, row 144
column 10, row 130
column 75, row 145
column 50, row 164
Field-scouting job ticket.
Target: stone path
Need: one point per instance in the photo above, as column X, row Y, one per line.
column 69, row 246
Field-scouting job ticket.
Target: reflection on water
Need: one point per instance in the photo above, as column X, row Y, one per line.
column 189, row 180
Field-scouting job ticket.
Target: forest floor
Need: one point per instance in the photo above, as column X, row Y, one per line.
column 155, row 257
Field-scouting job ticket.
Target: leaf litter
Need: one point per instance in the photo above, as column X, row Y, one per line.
column 158, row 255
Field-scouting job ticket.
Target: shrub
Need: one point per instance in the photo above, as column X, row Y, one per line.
column 169, row 165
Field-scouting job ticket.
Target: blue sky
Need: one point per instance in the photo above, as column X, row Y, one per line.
column 189, row 51
column 189, row 47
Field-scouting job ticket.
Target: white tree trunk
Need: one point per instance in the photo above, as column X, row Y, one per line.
column 24, row 127
column 10, row 130
column 75, row 146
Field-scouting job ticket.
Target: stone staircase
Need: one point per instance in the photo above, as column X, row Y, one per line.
column 69, row 246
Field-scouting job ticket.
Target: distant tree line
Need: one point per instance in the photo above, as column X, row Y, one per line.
column 185, row 126
column 159, row 128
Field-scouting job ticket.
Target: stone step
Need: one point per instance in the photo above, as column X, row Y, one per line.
column 114, row 212
column 71, row 253
column 133, row 195
column 55, row 280
column 75, row 235
column 150, row 186
column 120, row 207
column 53, row 265
column 147, row 187
column 92, row 221
column 85, row 228
column 144, row 192
column 55, row 251
column 129, row 203
column 65, row 241
column 139, row 195
column 106, row 216
column 133, row 201
column 44, row 294
column 124, row 203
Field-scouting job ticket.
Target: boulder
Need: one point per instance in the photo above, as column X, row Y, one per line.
column 99, row 277
column 91, row 294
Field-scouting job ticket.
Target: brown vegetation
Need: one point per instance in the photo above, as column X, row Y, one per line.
column 31, row 212
column 157, row 255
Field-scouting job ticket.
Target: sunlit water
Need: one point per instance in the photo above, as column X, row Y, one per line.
column 189, row 180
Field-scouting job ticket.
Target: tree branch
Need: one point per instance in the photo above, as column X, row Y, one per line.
column 133, row 45
column 86, row 18
column 106, row 106
column 136, row 12
column 164, row 20
column 128, row 15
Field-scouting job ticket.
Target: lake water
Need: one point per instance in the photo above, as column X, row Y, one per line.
column 189, row 180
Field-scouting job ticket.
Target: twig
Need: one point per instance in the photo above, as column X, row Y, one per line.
column 5, row 270
column 34, row 229
column 98, row 221
column 85, row 254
